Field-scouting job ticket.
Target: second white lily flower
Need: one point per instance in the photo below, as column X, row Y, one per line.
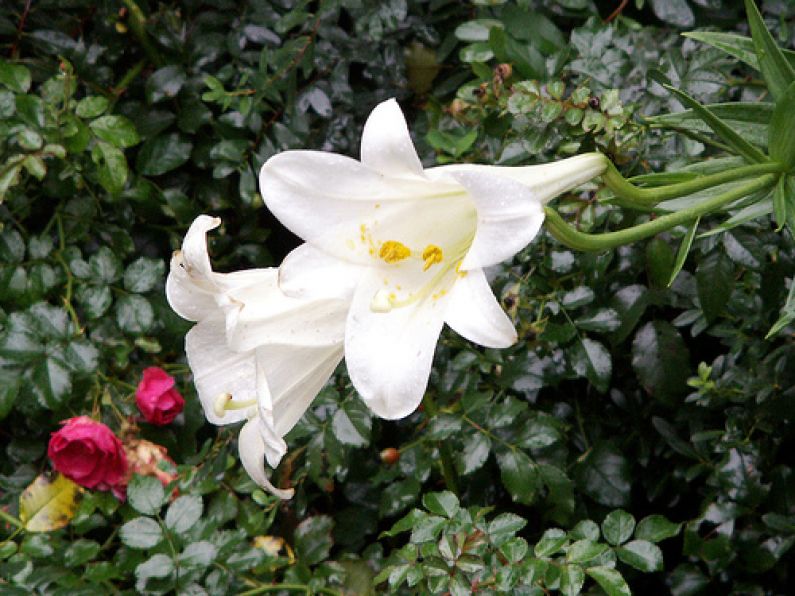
column 256, row 354
column 407, row 247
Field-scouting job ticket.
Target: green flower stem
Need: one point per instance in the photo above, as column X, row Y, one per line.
column 10, row 519
column 648, row 197
column 448, row 471
column 596, row 242
column 137, row 22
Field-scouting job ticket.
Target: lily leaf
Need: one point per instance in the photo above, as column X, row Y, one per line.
column 787, row 313
column 776, row 70
column 782, row 125
column 48, row 504
column 721, row 128
column 684, row 249
column 739, row 46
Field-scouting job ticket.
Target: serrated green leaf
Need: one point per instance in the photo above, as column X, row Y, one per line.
column 118, row 131
column 610, row 580
column 519, row 475
column 618, row 526
column 551, row 542
column 183, row 513
column 198, row 554
column 313, row 539
column 145, row 494
column 572, row 578
column 141, row 533
column 162, row 154
column 655, row 528
column 443, row 503
column 14, row 76
column 642, row 555
column 584, row 550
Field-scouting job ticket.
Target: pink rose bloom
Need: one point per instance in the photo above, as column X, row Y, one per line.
column 156, row 397
column 88, row 452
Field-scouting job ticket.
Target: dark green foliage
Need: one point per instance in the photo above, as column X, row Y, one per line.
column 637, row 435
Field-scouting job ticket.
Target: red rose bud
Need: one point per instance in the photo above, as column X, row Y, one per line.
column 156, row 397
column 88, row 452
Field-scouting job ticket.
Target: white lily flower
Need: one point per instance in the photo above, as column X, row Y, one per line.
column 408, row 245
column 255, row 353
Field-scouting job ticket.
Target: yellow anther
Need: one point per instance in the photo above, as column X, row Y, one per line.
column 431, row 255
column 393, row 251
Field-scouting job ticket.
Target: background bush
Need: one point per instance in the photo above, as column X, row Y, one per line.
column 629, row 414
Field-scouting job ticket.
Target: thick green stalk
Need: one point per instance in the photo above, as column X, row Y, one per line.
column 648, row 197
column 446, row 457
column 596, row 242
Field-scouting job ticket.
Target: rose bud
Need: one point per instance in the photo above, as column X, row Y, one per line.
column 390, row 455
column 87, row 452
column 156, row 397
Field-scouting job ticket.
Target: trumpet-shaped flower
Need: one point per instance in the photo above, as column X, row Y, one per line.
column 256, row 354
column 407, row 245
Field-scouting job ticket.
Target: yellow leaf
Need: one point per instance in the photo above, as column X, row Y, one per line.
column 48, row 504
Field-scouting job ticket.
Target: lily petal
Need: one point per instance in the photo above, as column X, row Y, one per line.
column 389, row 355
column 264, row 315
column 386, row 143
column 509, row 216
column 474, row 313
column 295, row 376
column 338, row 204
column 218, row 370
column 546, row 180
column 251, row 447
column 309, row 273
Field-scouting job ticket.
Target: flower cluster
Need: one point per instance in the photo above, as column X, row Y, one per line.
column 392, row 252
column 89, row 453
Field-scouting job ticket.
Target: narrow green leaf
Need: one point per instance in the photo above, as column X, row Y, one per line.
column 776, row 69
column 720, row 128
column 787, row 313
column 780, row 203
column 684, row 249
column 739, row 46
column 782, row 129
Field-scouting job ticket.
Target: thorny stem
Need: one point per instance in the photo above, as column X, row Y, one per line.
column 598, row 242
column 448, row 471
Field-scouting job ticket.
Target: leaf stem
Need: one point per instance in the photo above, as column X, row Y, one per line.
column 8, row 518
column 446, row 457
column 648, row 197
column 138, row 25
column 577, row 240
